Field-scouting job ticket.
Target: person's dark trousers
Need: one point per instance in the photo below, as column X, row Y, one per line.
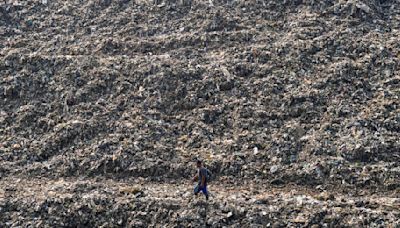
column 197, row 189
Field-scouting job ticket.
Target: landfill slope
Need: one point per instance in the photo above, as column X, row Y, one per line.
column 293, row 105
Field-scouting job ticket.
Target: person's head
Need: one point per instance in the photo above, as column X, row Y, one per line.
column 199, row 163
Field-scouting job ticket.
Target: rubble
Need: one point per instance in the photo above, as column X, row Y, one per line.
column 274, row 94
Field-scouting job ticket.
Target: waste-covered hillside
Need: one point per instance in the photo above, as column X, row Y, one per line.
column 106, row 104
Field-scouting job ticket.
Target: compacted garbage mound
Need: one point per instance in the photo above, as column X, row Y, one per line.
column 293, row 105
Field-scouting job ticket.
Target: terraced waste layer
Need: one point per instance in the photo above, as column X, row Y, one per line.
column 138, row 203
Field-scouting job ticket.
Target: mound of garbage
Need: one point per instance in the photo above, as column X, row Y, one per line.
column 273, row 93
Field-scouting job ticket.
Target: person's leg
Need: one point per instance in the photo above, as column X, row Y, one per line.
column 205, row 192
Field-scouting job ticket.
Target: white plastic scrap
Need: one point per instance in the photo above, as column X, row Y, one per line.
column 363, row 7
column 255, row 150
column 273, row 169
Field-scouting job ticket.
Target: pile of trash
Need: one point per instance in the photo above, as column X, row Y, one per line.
column 102, row 202
column 278, row 92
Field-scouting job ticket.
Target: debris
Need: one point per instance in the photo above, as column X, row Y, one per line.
column 273, row 95
column 273, row 169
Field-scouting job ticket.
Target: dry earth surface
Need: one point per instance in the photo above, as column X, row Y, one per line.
column 292, row 104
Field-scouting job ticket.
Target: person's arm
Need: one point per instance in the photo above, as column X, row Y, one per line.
column 195, row 178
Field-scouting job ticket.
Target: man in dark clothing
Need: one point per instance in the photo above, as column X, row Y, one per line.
column 201, row 177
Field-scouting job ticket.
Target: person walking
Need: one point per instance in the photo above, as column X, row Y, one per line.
column 202, row 177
